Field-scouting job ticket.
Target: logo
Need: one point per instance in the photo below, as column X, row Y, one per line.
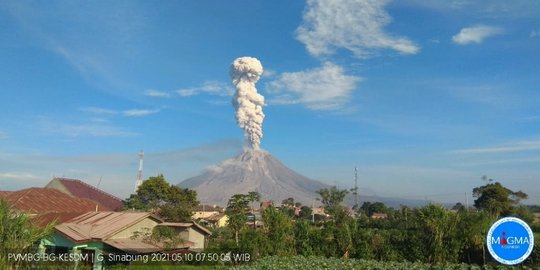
column 510, row 240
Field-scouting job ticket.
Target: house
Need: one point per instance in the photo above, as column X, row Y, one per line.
column 379, row 216
column 217, row 220
column 120, row 233
column 205, row 211
column 45, row 205
column 265, row 204
column 79, row 189
column 35, row 201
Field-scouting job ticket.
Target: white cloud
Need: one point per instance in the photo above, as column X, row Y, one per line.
column 156, row 93
column 97, row 110
column 475, row 34
column 209, row 87
column 18, row 176
column 357, row 26
column 534, row 33
column 91, row 128
column 505, row 148
column 322, row 88
column 138, row 112
column 127, row 113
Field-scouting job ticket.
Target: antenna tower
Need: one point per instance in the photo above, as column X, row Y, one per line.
column 356, row 187
column 140, row 172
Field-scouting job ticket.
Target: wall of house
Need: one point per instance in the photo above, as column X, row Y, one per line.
column 145, row 225
column 197, row 238
column 222, row 222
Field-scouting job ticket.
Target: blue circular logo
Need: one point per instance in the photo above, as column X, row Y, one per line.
column 510, row 240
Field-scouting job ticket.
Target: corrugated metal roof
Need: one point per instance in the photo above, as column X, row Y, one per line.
column 100, row 225
column 43, row 220
column 80, row 189
column 186, row 225
column 45, row 200
column 216, row 217
column 136, row 246
column 4, row 193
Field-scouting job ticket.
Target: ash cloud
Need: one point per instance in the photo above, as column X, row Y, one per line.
column 245, row 72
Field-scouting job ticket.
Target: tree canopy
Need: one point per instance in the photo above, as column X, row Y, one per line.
column 170, row 202
column 497, row 199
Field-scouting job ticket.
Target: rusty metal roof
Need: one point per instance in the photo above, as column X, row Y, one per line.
column 45, row 200
column 80, row 189
column 4, row 193
column 42, row 220
column 100, row 225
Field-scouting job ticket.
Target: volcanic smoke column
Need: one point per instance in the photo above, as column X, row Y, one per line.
column 245, row 72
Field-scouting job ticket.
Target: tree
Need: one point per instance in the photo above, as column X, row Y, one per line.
column 497, row 199
column 236, row 211
column 278, row 227
column 332, row 199
column 253, row 196
column 306, row 212
column 171, row 202
column 289, row 202
column 370, row 208
column 18, row 234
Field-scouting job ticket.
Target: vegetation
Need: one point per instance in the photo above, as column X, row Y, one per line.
column 322, row 263
column 18, row 235
column 170, row 202
column 432, row 236
column 497, row 199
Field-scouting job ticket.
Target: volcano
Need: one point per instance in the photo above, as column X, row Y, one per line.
column 252, row 170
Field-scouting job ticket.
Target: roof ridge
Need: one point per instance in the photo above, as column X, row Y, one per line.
column 92, row 187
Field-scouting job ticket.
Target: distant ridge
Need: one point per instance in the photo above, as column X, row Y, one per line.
column 253, row 170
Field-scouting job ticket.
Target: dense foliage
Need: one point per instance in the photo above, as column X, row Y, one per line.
column 170, row 202
column 322, row 263
column 431, row 234
column 18, row 235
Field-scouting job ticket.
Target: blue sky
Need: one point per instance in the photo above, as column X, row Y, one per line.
column 424, row 97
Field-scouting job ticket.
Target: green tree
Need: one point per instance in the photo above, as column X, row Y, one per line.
column 440, row 229
column 370, row 208
column 497, row 199
column 237, row 210
column 332, row 199
column 253, row 196
column 18, row 234
column 278, row 227
column 170, row 202
column 306, row 212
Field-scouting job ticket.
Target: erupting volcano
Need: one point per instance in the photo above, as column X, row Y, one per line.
column 254, row 169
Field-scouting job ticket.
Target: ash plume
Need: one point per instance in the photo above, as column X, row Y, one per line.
column 245, row 72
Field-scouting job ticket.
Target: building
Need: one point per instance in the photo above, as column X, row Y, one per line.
column 216, row 221
column 98, row 233
column 205, row 211
column 379, row 216
column 79, row 189
column 46, row 205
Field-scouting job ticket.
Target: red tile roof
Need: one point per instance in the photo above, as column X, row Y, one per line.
column 80, row 189
column 46, row 200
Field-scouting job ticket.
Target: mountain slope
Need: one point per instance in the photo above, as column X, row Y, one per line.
column 252, row 170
